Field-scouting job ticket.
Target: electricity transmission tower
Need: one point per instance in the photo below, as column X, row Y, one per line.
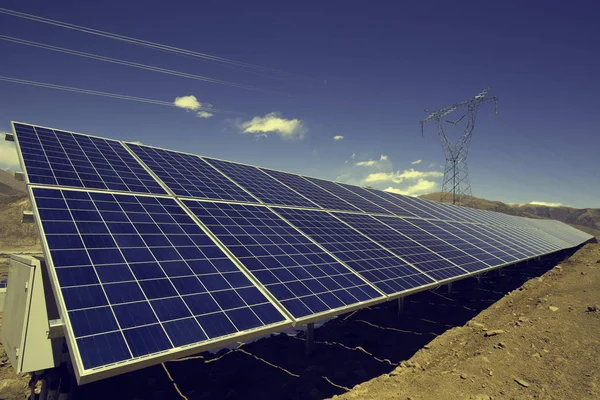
column 456, row 175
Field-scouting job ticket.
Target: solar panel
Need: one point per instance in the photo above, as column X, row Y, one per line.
column 380, row 201
column 261, row 185
column 350, row 197
column 372, row 261
column 3, row 283
column 487, row 245
column 400, row 201
column 487, row 259
column 314, row 193
column 53, row 157
column 189, row 176
column 136, row 277
column 437, row 245
column 426, row 260
column 507, row 244
column 302, row 276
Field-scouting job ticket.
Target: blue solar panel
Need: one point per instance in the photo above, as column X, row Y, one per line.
column 54, row 157
column 373, row 197
column 509, row 246
column 538, row 239
column 434, row 244
column 304, row 278
column 138, row 276
column 261, row 185
column 189, row 175
column 488, row 245
column 486, row 259
column 3, row 283
column 374, row 263
column 401, row 202
column 350, row 197
column 311, row 191
column 414, row 253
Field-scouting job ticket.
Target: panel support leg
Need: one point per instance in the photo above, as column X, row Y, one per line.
column 400, row 305
column 449, row 287
column 310, row 337
column 500, row 272
column 478, row 277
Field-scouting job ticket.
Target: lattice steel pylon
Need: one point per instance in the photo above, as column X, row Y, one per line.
column 456, row 175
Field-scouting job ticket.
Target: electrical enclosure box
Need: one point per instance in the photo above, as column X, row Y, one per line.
column 28, row 307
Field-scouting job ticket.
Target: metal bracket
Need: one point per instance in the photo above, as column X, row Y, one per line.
column 27, row 217
column 9, row 137
column 55, row 328
column 19, row 176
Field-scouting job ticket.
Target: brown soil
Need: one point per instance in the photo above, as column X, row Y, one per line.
column 549, row 345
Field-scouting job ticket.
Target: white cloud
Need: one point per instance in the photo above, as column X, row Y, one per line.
column 372, row 163
column 544, row 203
column 187, row 103
column 338, row 137
column 399, row 177
column 204, row 114
column 9, row 158
column 369, row 163
column 422, row 186
column 274, row 123
column 417, row 162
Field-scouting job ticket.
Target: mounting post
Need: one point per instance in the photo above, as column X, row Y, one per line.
column 478, row 277
column 310, row 337
column 501, row 272
column 449, row 287
column 400, row 305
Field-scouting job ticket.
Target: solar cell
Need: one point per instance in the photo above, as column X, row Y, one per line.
column 424, row 259
column 136, row 276
column 53, row 157
column 261, row 185
column 488, row 244
column 401, row 201
column 351, row 197
column 311, row 191
column 478, row 253
column 303, row 277
column 189, row 175
column 437, row 245
column 380, row 201
column 372, row 261
column 507, row 244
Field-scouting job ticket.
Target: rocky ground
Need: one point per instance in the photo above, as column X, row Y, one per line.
column 539, row 341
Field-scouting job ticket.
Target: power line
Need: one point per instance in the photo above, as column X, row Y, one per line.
column 131, row 64
column 106, row 94
column 140, row 42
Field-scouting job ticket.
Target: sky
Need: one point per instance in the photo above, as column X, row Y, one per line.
column 341, row 92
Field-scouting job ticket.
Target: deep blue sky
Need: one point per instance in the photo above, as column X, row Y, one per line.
column 373, row 69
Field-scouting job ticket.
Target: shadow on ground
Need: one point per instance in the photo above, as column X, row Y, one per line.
column 348, row 350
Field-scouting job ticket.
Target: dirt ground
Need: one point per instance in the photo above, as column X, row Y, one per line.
column 436, row 349
column 540, row 341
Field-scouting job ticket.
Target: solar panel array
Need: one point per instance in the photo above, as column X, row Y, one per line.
column 154, row 254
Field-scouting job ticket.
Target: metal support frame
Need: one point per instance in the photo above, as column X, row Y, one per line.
column 479, row 278
column 456, row 174
column 401, row 305
column 310, row 338
column 449, row 287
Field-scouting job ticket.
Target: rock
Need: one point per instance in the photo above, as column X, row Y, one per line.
column 598, row 262
column 491, row 373
column 523, row 319
column 463, row 376
column 553, row 308
column 416, row 365
column 427, row 346
column 536, row 355
column 12, row 389
column 477, row 324
column 521, row 382
column 493, row 333
column 582, row 273
column 595, row 308
column 395, row 372
column 500, row 345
